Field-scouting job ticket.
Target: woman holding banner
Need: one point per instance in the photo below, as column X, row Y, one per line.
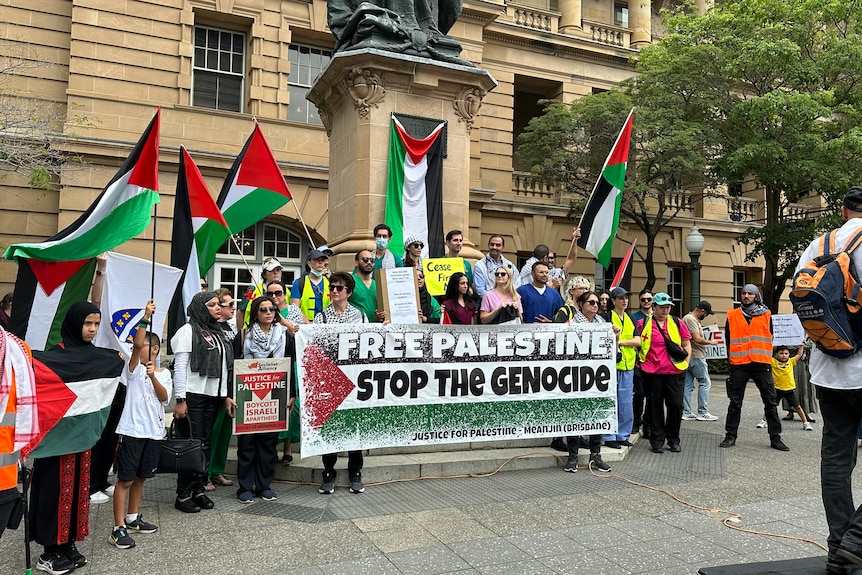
column 459, row 303
column 256, row 453
column 502, row 305
column 588, row 302
column 341, row 285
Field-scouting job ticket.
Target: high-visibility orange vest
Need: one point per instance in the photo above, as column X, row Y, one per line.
column 749, row 342
column 8, row 457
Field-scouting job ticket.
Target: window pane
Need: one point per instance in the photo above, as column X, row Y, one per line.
column 230, row 96
column 212, row 39
column 298, row 109
column 200, row 36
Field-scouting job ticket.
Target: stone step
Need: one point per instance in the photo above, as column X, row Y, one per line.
column 420, row 462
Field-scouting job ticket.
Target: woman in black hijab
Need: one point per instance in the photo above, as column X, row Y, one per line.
column 60, row 489
column 203, row 365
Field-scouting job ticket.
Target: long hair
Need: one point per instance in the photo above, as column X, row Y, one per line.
column 452, row 286
column 509, row 289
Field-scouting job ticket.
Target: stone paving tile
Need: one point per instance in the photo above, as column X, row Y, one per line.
column 578, row 564
column 516, row 568
column 694, row 549
column 401, row 539
column 450, row 525
column 545, row 544
column 648, row 530
column 368, row 566
column 596, row 536
column 484, row 552
column 428, row 561
column 637, row 558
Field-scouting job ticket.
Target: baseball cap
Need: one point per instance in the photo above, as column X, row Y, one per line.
column 618, row 292
column 853, row 199
column 662, row 298
column 270, row 264
column 326, row 250
column 705, row 306
column 316, row 254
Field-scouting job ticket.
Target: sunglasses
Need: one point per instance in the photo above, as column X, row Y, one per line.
column 592, row 301
column 421, row 277
column 266, row 309
column 645, row 299
column 205, row 285
column 368, row 260
column 278, row 293
column 500, row 274
column 228, row 304
column 337, row 288
column 418, row 245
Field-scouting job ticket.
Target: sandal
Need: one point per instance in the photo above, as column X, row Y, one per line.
column 221, row 480
column 788, row 417
column 286, row 459
column 209, row 486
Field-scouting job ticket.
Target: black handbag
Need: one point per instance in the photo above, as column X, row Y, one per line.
column 507, row 313
column 181, row 454
column 676, row 351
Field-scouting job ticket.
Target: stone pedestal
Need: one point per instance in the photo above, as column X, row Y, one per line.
column 356, row 96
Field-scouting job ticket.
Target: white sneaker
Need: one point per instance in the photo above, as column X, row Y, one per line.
column 99, row 497
column 706, row 417
column 761, row 425
column 109, row 491
column 807, row 426
column 688, row 417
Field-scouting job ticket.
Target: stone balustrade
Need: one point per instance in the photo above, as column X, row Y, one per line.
column 526, row 185
column 608, row 34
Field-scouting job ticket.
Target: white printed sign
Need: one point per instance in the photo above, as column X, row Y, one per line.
column 787, row 330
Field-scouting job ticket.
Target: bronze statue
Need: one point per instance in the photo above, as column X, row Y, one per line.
column 416, row 27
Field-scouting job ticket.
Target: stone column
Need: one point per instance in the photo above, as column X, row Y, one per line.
column 701, row 6
column 640, row 22
column 356, row 96
column 570, row 16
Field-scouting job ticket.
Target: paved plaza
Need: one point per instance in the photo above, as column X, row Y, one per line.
column 513, row 522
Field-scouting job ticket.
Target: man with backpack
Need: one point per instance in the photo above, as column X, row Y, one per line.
column 749, row 340
column 839, row 388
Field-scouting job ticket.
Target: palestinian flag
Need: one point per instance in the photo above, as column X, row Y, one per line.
column 55, row 273
column 44, row 291
column 121, row 212
column 74, row 390
column 199, row 230
column 254, row 187
column 623, row 277
column 414, row 189
column 602, row 214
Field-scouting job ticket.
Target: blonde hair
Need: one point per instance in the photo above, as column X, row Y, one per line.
column 509, row 290
column 574, row 282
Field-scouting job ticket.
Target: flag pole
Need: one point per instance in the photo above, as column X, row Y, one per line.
column 153, row 274
column 305, row 227
column 245, row 261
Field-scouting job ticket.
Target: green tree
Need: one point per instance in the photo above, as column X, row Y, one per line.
column 569, row 144
column 762, row 90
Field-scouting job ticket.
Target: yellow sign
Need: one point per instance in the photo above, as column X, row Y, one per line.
column 437, row 272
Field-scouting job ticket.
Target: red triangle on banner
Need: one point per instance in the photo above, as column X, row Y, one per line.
column 52, row 275
column 327, row 389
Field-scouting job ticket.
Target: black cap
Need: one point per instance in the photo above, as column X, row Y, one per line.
column 853, row 199
column 618, row 292
column 705, row 306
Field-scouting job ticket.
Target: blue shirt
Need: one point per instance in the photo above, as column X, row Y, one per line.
column 536, row 304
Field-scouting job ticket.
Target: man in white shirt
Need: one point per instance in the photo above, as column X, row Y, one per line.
column 839, row 388
column 483, row 271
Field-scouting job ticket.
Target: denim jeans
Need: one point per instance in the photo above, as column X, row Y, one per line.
column 625, row 412
column 842, row 413
column 696, row 371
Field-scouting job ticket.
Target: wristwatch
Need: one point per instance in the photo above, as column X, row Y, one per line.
column 181, row 400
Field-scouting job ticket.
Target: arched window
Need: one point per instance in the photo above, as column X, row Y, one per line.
column 258, row 242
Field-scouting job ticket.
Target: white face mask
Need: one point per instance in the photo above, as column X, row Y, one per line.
column 381, row 243
column 316, row 273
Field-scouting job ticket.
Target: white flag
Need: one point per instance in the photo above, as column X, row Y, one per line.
column 126, row 292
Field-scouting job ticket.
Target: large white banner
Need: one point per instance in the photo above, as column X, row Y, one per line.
column 368, row 385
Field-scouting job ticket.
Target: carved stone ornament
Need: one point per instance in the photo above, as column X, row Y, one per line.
column 365, row 88
column 467, row 104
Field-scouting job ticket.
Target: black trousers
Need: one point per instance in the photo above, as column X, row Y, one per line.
column 761, row 374
column 665, row 406
column 256, row 454
column 574, row 441
column 105, row 450
column 202, row 411
column 842, row 414
column 355, row 461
